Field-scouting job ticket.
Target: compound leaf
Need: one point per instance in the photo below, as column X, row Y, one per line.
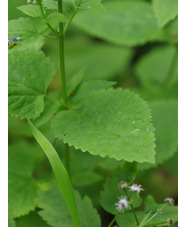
column 56, row 214
column 30, row 73
column 114, row 123
column 124, row 23
column 165, row 10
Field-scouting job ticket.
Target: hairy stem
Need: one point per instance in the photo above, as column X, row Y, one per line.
column 133, row 211
column 61, row 56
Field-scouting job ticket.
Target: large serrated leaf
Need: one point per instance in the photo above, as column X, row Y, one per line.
column 55, row 212
column 165, row 10
column 27, row 28
column 22, row 191
column 114, row 123
column 125, row 23
column 30, row 73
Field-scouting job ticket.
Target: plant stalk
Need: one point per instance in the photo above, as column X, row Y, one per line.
column 133, row 211
column 154, row 215
column 43, row 15
column 62, row 56
column 112, row 222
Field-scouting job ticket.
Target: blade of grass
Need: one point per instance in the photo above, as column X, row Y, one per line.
column 60, row 173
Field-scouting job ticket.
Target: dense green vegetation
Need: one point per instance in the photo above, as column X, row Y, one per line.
column 93, row 113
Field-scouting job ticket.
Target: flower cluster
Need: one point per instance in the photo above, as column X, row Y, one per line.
column 123, row 202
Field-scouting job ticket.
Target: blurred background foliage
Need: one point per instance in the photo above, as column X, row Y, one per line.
column 149, row 69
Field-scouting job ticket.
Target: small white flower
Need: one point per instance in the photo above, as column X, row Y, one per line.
column 122, row 204
column 29, row 1
column 34, row 2
column 136, row 188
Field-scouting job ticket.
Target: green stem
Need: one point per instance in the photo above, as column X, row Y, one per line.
column 112, row 222
column 69, row 21
column 71, row 17
column 154, row 215
column 79, row 3
column 61, row 56
column 133, row 211
column 43, row 15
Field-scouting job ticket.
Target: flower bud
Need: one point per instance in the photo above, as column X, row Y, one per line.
column 122, row 185
column 170, row 221
column 169, row 200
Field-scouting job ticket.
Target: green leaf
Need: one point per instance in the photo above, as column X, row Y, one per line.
column 87, row 88
column 109, row 125
column 56, row 214
column 74, row 82
column 60, row 173
column 17, row 127
column 22, row 191
column 55, row 17
column 51, row 104
column 91, row 4
column 11, row 221
column 28, row 29
column 49, row 4
column 30, row 73
column 109, row 59
column 165, row 10
column 110, row 193
column 165, row 121
column 81, row 179
column 127, row 219
column 30, row 220
column 30, row 10
column 68, row 6
column 171, row 165
column 124, row 23
column 109, row 163
column 158, row 67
